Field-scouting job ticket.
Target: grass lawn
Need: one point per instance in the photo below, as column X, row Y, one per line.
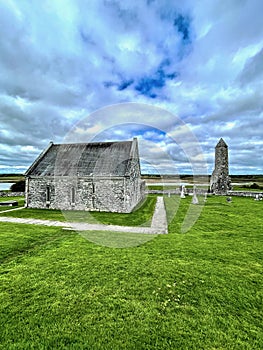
column 161, row 187
column 141, row 216
column 198, row 290
column 247, row 189
column 20, row 201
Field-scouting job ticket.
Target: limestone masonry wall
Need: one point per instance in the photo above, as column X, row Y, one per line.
column 11, row 194
column 202, row 191
column 117, row 194
column 244, row 193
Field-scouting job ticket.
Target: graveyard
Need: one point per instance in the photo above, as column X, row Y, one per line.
column 182, row 270
column 192, row 290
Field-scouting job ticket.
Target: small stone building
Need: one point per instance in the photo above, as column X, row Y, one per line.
column 220, row 182
column 101, row 176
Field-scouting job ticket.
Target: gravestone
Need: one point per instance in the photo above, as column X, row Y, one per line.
column 183, row 192
column 10, row 203
column 195, row 199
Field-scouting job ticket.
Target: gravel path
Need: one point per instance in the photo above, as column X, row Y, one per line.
column 158, row 224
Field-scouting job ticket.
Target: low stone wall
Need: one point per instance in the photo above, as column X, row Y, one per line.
column 189, row 191
column 244, row 193
column 11, row 194
column 176, row 191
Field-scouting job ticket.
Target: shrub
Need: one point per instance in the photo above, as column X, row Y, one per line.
column 18, row 186
column 255, row 186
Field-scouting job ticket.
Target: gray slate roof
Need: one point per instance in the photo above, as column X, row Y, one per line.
column 90, row 159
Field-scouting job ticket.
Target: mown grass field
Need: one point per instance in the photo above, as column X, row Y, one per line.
column 199, row 290
column 141, row 216
column 20, row 200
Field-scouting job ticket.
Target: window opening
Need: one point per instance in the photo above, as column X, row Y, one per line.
column 93, row 195
column 48, row 194
column 73, row 195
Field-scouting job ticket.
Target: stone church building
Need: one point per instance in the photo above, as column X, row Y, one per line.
column 101, row 176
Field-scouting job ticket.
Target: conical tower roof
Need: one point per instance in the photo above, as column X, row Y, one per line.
column 221, row 143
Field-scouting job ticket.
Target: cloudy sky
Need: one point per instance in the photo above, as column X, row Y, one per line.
column 176, row 74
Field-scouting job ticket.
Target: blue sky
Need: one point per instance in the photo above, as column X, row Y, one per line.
column 177, row 74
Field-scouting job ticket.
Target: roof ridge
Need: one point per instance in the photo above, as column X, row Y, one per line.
column 39, row 158
column 90, row 143
column 104, row 157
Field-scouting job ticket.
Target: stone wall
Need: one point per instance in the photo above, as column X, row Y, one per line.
column 11, row 194
column 245, row 193
column 201, row 191
column 134, row 186
column 114, row 194
column 187, row 191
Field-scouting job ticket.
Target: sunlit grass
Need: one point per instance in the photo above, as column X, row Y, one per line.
column 140, row 216
column 20, row 201
column 199, row 290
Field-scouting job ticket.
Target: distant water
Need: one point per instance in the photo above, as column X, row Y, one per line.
column 5, row 185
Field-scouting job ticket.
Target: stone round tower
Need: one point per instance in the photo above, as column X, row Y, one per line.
column 220, row 181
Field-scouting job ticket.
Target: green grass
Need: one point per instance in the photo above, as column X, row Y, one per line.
column 20, row 201
column 141, row 216
column 247, row 189
column 198, row 290
column 161, row 188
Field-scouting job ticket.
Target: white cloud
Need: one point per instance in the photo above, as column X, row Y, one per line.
column 200, row 61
